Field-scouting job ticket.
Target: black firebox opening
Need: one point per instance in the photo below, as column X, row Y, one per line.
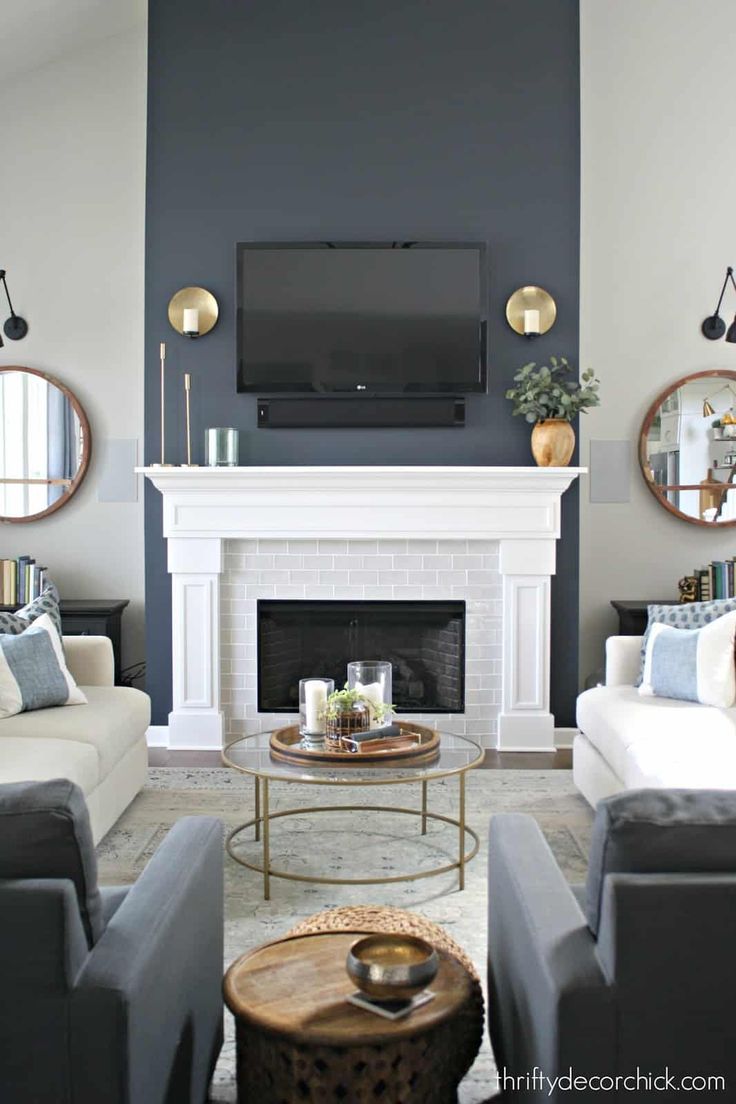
column 424, row 642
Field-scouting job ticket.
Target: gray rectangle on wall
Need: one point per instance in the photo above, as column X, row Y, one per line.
column 610, row 471
column 117, row 481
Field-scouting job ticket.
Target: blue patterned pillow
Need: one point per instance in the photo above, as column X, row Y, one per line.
column 33, row 674
column 686, row 615
column 47, row 602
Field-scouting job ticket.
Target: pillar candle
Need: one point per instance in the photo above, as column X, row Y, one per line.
column 191, row 320
column 315, row 700
column 373, row 694
column 531, row 321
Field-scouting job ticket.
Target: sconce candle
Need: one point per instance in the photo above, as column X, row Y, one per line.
column 531, row 323
column 193, row 311
column 191, row 322
column 531, row 311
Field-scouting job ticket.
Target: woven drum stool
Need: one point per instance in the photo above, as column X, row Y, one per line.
column 300, row 1042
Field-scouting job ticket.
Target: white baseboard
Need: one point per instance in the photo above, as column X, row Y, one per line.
column 157, row 736
column 564, row 737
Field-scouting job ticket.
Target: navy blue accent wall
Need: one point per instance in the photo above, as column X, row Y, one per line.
column 394, row 119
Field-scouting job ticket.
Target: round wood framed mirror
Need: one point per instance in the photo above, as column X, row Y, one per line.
column 687, row 448
column 45, row 444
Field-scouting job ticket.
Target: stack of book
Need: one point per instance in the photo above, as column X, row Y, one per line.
column 716, row 580
column 21, row 581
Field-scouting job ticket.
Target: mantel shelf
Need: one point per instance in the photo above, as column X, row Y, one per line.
column 359, row 502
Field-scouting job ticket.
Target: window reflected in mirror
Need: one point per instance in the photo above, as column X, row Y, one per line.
column 687, row 448
column 44, row 444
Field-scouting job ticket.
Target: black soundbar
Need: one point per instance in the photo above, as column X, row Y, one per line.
column 352, row 412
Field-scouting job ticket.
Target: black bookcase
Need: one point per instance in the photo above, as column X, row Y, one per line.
column 91, row 617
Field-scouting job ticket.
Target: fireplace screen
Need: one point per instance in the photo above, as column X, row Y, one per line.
column 424, row 642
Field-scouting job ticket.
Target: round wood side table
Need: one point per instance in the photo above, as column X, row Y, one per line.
column 300, row 1042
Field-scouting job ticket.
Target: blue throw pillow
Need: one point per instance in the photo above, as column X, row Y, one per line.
column 33, row 674
column 694, row 665
column 686, row 615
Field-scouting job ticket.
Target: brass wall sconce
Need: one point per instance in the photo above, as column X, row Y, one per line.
column 16, row 327
column 531, row 311
column 193, row 311
column 714, row 327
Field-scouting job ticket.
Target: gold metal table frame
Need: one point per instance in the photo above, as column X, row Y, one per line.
column 261, row 822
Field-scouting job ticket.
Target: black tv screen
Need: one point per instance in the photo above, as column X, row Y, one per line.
column 368, row 319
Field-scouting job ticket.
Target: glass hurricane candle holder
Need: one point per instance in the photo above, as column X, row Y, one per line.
column 372, row 679
column 221, row 447
column 313, row 695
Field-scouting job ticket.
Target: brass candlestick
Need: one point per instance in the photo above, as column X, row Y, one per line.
column 187, row 393
column 163, row 464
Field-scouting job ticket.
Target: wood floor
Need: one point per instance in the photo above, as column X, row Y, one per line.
column 494, row 760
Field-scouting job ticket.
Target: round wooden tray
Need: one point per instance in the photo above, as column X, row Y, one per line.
column 286, row 746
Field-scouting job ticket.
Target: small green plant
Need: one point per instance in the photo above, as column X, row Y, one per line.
column 553, row 392
column 343, row 701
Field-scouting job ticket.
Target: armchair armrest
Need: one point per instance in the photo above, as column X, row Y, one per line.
column 146, row 1012
column 623, row 658
column 549, row 1004
column 90, row 660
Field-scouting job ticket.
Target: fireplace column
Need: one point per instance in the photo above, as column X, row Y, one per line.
column 195, row 566
column 525, row 722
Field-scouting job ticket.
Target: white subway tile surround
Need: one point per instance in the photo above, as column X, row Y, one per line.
column 363, row 570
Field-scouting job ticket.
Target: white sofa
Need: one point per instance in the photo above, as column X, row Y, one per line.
column 101, row 746
column 627, row 741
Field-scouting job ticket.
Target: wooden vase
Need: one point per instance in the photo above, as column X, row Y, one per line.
column 553, row 443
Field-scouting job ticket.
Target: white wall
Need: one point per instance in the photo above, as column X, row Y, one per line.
column 658, row 229
column 72, row 190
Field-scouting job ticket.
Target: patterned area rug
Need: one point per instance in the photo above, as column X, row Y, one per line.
column 337, row 843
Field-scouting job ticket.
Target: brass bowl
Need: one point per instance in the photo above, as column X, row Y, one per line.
column 391, row 966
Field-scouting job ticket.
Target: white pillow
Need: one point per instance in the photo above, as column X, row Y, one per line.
column 33, row 672
column 692, row 664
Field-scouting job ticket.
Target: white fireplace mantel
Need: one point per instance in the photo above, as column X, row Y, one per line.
column 519, row 507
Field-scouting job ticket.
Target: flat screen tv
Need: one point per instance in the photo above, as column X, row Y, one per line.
column 362, row 318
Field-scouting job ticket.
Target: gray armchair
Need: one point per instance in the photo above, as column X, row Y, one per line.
column 634, row 971
column 109, row 995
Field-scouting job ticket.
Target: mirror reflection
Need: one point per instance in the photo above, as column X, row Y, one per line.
column 44, row 444
column 688, row 448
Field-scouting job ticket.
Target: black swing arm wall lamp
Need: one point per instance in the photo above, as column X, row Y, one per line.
column 714, row 327
column 16, row 327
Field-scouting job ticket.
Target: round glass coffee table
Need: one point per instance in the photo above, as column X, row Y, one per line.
column 251, row 755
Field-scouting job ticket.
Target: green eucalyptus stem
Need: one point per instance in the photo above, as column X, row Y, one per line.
column 553, row 391
column 343, row 701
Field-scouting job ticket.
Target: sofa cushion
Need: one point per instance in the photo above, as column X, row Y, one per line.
column 113, row 720
column 43, row 758
column 45, row 833
column 660, row 741
column 660, row 832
